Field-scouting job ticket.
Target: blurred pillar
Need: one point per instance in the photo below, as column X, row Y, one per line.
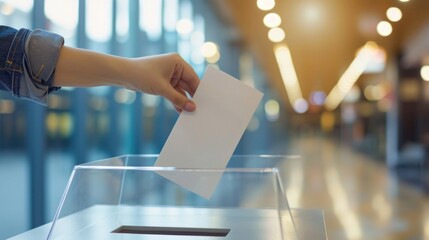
column 79, row 100
column 36, row 140
column 392, row 118
column 135, row 110
column 113, row 107
column 36, row 150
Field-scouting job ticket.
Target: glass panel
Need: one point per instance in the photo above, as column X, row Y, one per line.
column 151, row 18
column 125, row 192
column 171, row 15
column 16, row 13
column 62, row 17
column 122, row 20
column 98, row 20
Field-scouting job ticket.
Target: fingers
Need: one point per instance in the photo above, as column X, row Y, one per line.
column 178, row 98
column 183, row 85
column 189, row 77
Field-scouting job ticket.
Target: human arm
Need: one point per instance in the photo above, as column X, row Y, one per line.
column 167, row 75
column 33, row 63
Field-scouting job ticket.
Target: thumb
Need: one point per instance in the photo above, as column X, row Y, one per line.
column 180, row 101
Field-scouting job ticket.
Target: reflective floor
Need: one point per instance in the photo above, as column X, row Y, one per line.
column 362, row 199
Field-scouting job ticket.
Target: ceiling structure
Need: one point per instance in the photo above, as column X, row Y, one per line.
column 323, row 36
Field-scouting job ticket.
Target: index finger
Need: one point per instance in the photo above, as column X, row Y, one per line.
column 190, row 77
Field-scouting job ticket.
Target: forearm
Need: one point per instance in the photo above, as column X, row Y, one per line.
column 83, row 68
column 167, row 75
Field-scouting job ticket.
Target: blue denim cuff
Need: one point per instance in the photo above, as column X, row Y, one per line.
column 42, row 50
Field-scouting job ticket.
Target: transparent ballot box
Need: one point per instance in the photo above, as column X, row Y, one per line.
column 127, row 198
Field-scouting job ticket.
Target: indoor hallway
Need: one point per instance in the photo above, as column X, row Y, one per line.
column 361, row 198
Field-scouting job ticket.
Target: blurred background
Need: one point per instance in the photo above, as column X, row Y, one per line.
column 344, row 86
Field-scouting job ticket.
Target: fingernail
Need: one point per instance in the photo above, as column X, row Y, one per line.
column 189, row 106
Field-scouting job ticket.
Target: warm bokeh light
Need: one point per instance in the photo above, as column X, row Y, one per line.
column 288, row 73
column 342, row 203
column 20, row 5
column 351, row 75
column 272, row 110
column 312, row 13
column 52, row 123
column 327, row 121
column 276, row 35
column 184, row 27
column 404, row 0
column 426, row 222
column 300, row 105
column 7, row 9
column 394, row 14
column 214, row 59
column 65, row 127
column 384, row 28
column 272, row 20
column 378, row 62
column 374, row 92
column 424, row 72
column 209, row 49
column 265, row 5
column 353, row 95
column 6, row 106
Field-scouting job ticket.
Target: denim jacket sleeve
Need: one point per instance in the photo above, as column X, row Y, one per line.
column 27, row 62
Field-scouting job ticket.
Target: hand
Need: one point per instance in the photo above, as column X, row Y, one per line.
column 167, row 75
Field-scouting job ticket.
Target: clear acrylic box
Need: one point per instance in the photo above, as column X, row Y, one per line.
column 126, row 198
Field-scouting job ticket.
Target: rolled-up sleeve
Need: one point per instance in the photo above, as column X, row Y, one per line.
column 42, row 50
column 27, row 70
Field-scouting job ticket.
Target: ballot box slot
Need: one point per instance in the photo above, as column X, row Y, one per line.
column 179, row 231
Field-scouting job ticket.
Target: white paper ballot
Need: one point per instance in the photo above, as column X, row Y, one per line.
column 207, row 137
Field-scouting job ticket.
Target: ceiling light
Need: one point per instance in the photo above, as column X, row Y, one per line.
column 424, row 72
column 317, row 98
column 404, row 0
column 312, row 13
column 353, row 95
column 378, row 61
column 209, row 49
column 272, row 20
column 394, row 14
column 288, row 74
column 384, row 28
column 265, row 5
column 300, row 105
column 276, row 35
column 350, row 76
